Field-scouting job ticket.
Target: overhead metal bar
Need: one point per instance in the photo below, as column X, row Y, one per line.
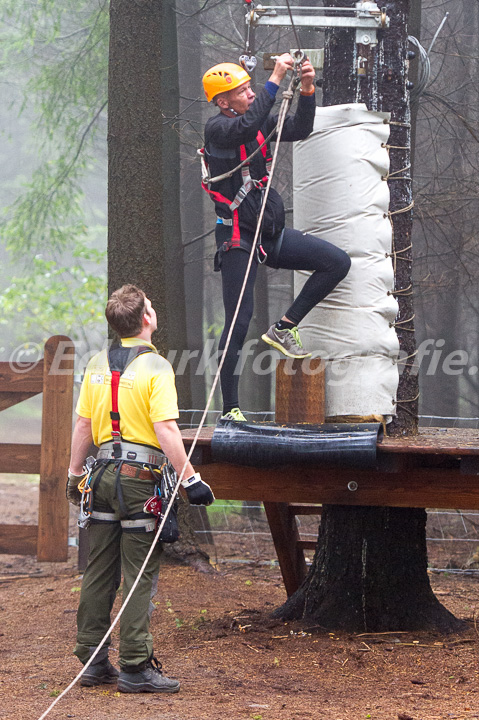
column 367, row 18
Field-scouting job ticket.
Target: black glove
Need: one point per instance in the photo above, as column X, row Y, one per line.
column 72, row 491
column 199, row 492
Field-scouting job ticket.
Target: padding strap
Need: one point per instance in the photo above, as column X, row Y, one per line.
column 105, row 516
column 141, row 525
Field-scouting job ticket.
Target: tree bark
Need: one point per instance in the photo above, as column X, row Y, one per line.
column 369, row 572
column 144, row 230
column 369, row 575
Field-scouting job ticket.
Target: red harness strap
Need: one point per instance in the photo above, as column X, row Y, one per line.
column 248, row 185
column 114, row 414
column 119, row 358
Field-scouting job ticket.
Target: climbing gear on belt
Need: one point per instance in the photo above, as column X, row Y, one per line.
column 222, row 78
column 157, row 504
column 86, row 503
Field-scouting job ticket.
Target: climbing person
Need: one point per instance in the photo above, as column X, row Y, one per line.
column 231, row 136
column 128, row 408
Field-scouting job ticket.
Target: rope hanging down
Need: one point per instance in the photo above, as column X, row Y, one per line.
column 287, row 99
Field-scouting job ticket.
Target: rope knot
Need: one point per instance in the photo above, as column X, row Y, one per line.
column 288, row 94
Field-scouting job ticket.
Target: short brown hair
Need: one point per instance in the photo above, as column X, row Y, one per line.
column 124, row 311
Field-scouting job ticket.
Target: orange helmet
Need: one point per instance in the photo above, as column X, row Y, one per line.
column 223, row 77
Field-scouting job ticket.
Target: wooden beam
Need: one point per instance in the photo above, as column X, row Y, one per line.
column 286, row 538
column 18, row 539
column 307, row 544
column 8, row 399
column 419, row 487
column 56, row 440
column 19, row 458
column 15, row 378
column 304, row 509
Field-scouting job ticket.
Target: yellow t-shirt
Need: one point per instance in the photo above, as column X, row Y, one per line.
column 147, row 394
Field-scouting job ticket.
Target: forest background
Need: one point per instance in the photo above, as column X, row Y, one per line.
column 53, row 185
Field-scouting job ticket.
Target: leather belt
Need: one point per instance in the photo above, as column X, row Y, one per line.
column 135, row 471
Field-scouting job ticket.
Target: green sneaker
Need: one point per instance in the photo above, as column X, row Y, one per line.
column 286, row 341
column 234, row 414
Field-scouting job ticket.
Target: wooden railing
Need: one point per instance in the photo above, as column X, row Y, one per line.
column 52, row 376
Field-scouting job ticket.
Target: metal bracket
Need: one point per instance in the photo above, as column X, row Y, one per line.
column 366, row 17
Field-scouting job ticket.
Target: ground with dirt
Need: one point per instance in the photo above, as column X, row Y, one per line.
column 215, row 634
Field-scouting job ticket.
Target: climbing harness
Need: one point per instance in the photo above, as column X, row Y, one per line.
column 246, row 187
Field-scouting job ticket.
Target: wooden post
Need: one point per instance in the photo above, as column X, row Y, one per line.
column 55, row 449
column 284, row 532
column 300, row 391
column 299, row 399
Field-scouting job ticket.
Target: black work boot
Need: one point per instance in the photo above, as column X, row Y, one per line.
column 99, row 673
column 146, row 677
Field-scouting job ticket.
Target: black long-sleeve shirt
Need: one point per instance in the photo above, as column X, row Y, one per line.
column 225, row 135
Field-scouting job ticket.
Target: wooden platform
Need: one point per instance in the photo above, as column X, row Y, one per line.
column 439, row 468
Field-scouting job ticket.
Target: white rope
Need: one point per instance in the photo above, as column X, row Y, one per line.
column 281, row 118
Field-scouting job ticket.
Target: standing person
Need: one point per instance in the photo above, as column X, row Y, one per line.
column 133, row 439
column 241, row 125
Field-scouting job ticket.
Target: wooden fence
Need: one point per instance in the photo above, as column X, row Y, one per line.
column 52, row 376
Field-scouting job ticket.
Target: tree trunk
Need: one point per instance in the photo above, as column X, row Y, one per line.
column 369, row 575
column 190, row 130
column 144, row 231
column 369, row 572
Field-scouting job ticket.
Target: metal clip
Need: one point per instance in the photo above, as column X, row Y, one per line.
column 263, row 257
column 248, row 62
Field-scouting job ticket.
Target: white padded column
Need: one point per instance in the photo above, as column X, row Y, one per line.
column 339, row 195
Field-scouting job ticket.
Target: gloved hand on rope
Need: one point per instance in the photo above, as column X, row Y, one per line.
column 72, row 492
column 199, row 492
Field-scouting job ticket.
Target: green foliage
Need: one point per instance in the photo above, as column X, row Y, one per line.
column 60, row 54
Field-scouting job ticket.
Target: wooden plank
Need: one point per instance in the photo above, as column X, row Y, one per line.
column 419, row 487
column 300, row 391
column 307, row 544
column 285, row 536
column 432, row 441
column 8, row 399
column 19, row 458
column 15, row 378
column 56, row 442
column 304, row 509
column 18, row 539
column 429, row 441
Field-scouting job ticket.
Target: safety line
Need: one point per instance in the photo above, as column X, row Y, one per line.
column 293, row 25
column 287, row 98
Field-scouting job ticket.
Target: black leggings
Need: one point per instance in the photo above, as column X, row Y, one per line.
column 297, row 251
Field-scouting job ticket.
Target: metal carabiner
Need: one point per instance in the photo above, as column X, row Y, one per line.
column 299, row 58
column 263, row 257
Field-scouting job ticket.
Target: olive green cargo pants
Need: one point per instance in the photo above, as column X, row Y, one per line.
column 110, row 546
